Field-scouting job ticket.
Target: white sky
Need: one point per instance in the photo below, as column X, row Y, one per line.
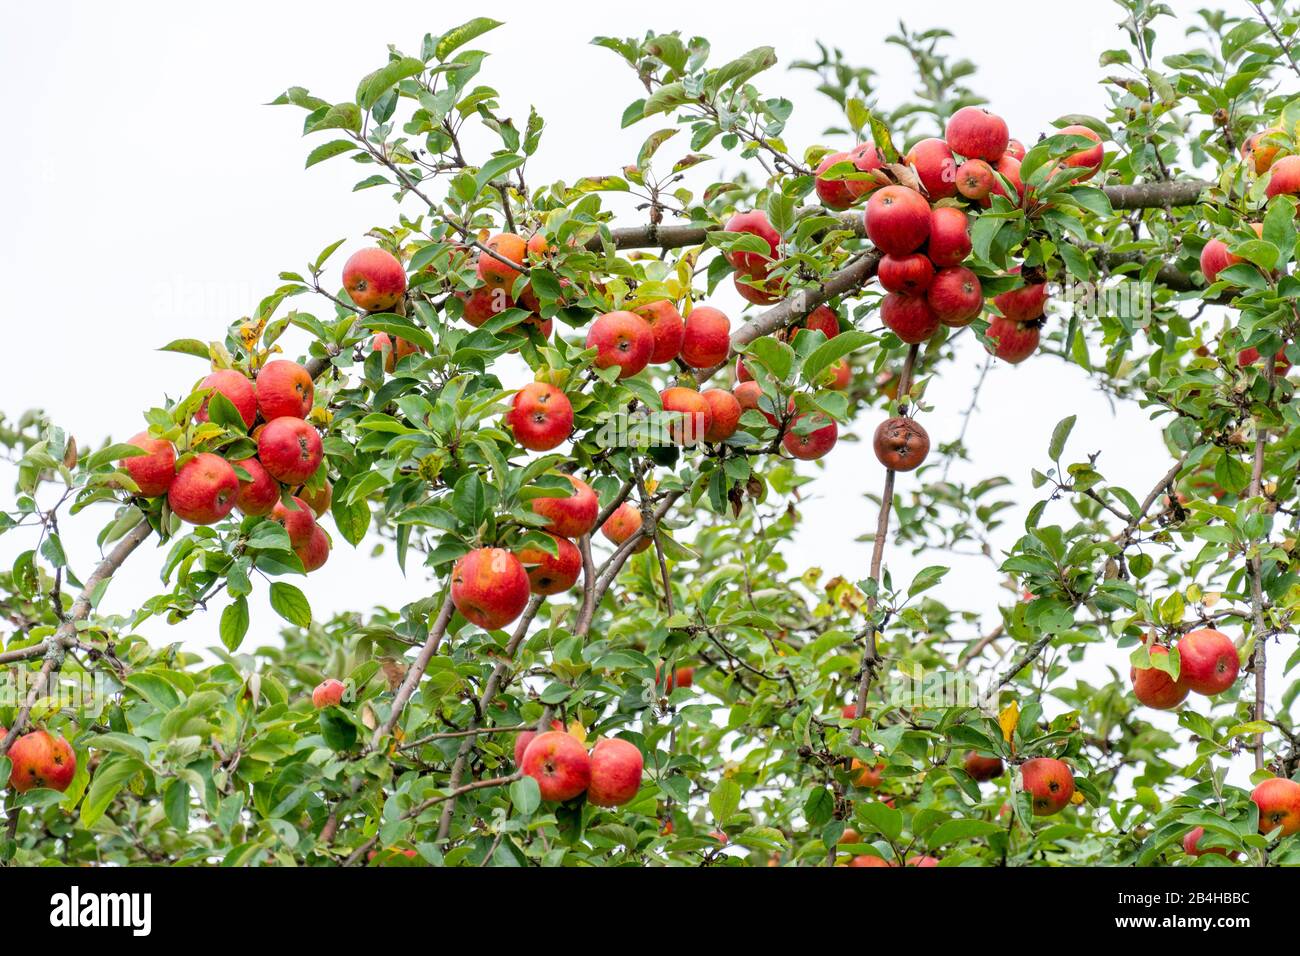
column 149, row 195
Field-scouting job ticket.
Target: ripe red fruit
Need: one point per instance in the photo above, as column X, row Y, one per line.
column 843, row 193
column 867, row 860
column 622, row 339
column 1015, row 341
column 975, row 179
column 489, row 587
column 393, row 354
column 318, row 501
column 822, row 319
column 1023, row 304
column 153, row 473
column 956, row 296
column 1208, row 661
column 813, row 444
column 1258, row 154
column 260, row 493
column 552, row 573
column 1088, row 160
column 909, row 317
column 1192, row 840
column 692, row 417
column 236, row 387
column 708, row 338
column 747, row 396
column 752, row 294
column 39, row 759
column 897, row 220
column 1050, row 784
column 484, row 303
column 622, row 524
column 296, row 519
column 290, row 449
column 949, row 242
column 867, row 777
column 540, row 416
column 559, row 764
column 667, row 327
column 681, row 677
column 571, row 516
column 1250, row 356
column 328, row 693
column 526, row 737
column 495, row 273
column 616, row 767
column 315, row 552
column 756, row 222
column 977, row 134
column 374, row 279
column 284, row 388
column 982, row 768
column 1278, row 800
column 204, row 490
column 1016, row 150
column 935, row 167
column 901, row 444
column 724, row 412
column 1009, row 169
column 1155, row 688
column 839, row 376
column 910, row 273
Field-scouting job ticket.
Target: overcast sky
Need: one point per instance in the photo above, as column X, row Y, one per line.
column 150, row 195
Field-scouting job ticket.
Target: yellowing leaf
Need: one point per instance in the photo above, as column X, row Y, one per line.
column 1008, row 719
column 576, row 729
column 1077, row 797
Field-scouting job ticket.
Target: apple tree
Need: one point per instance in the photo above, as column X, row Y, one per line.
column 532, row 396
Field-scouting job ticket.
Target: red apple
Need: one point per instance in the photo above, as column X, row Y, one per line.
column 1024, row 303
column 625, row 521
column 1192, row 840
column 897, row 220
column 975, row 179
column 976, row 133
column 559, row 763
column 949, row 242
column 154, row 472
column 484, row 303
column 1154, row 687
column 236, row 387
column 296, row 519
column 980, row 767
column 724, row 414
column 290, row 450
column 1278, row 800
column 708, row 338
column 1208, row 661
column 910, row 273
column 1009, row 169
column 909, row 317
column 540, row 417
column 616, row 766
column 496, row 274
column 489, row 587
column 621, row 339
column 284, row 388
column 315, row 552
column 1016, row 150
column 573, row 516
column 204, row 489
column 552, row 573
column 813, row 444
column 328, row 693
column 956, row 296
column 667, row 327
column 1250, row 356
column 692, row 417
column 822, row 319
column 260, row 493
column 374, row 279
column 1015, row 341
column 1088, row 160
column 1284, row 177
column 935, row 167
column 39, row 759
column 1050, row 784
column 756, row 222
column 901, row 444
column 393, row 354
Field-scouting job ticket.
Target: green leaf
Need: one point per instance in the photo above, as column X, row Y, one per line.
column 1059, row 436
column 290, row 603
column 724, row 801
column 457, row 37
column 953, row 831
column 234, row 623
column 188, row 347
column 113, row 453
column 525, row 796
column 384, row 79
column 327, row 151
column 830, row 352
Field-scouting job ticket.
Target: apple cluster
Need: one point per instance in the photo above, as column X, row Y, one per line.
column 610, row 774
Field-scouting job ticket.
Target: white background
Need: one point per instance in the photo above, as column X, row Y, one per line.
column 149, row 195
